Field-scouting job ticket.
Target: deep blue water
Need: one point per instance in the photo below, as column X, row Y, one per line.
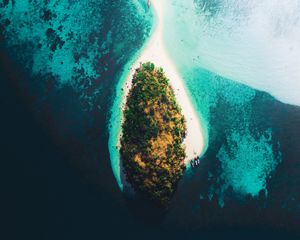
column 60, row 64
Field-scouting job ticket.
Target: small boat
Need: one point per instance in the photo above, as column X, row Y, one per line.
column 195, row 162
column 149, row 3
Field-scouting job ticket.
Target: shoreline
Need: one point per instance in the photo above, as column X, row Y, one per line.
column 154, row 52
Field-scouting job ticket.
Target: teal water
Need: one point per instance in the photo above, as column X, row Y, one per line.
column 201, row 53
column 219, row 51
column 240, row 63
column 206, row 41
column 251, row 42
column 78, row 44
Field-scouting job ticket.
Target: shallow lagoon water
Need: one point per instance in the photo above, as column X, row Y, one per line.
column 239, row 61
column 205, row 62
column 254, row 43
column 227, row 51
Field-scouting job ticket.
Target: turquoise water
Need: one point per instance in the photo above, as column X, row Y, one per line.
column 251, row 42
column 78, row 44
column 207, row 46
column 68, row 59
column 225, row 56
column 216, row 46
column 238, row 60
column 203, row 58
column 246, row 155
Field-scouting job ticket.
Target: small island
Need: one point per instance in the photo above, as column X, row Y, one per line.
column 153, row 131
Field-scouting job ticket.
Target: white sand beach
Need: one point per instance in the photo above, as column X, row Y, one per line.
column 155, row 52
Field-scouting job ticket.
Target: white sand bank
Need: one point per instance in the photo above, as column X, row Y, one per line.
column 155, row 52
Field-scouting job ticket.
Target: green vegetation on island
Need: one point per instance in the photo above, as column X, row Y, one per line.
column 153, row 131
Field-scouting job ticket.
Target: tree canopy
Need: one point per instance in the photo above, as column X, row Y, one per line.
column 153, row 131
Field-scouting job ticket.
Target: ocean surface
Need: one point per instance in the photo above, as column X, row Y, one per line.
column 63, row 64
